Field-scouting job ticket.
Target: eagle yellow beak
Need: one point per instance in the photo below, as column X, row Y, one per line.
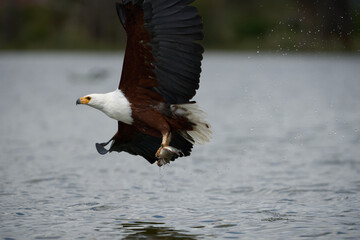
column 83, row 100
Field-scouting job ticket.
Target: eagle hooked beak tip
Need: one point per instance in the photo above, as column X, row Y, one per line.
column 78, row 101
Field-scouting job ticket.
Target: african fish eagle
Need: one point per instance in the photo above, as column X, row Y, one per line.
column 160, row 76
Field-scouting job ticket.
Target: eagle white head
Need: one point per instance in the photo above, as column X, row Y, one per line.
column 114, row 104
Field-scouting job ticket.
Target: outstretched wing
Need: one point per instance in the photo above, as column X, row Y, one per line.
column 162, row 58
column 130, row 140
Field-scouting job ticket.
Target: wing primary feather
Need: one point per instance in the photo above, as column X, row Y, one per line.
column 121, row 13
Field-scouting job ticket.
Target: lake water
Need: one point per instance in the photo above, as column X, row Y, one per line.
column 284, row 162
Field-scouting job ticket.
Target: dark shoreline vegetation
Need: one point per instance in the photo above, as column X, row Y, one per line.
column 257, row 25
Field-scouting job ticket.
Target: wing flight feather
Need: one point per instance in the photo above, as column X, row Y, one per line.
column 162, row 53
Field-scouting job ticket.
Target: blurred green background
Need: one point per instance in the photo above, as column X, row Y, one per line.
column 254, row 25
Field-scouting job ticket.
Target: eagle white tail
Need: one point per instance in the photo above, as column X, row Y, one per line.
column 201, row 133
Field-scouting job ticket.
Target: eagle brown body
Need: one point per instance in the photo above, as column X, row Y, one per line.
column 160, row 75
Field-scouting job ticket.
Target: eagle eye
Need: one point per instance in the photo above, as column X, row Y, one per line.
column 88, row 98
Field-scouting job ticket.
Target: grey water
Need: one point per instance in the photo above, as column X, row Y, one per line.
column 284, row 162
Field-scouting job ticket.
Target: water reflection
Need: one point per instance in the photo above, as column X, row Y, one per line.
column 153, row 230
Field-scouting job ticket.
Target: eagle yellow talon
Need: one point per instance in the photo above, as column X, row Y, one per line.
column 166, row 153
column 157, row 154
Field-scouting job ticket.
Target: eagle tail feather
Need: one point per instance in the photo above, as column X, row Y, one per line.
column 201, row 132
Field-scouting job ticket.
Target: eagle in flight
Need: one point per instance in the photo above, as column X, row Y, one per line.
column 161, row 70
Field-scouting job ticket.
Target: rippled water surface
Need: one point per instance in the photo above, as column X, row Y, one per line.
column 284, row 162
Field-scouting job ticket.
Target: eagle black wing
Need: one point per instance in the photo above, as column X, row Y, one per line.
column 130, row 140
column 163, row 56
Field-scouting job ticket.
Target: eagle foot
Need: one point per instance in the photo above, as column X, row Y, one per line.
column 166, row 154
